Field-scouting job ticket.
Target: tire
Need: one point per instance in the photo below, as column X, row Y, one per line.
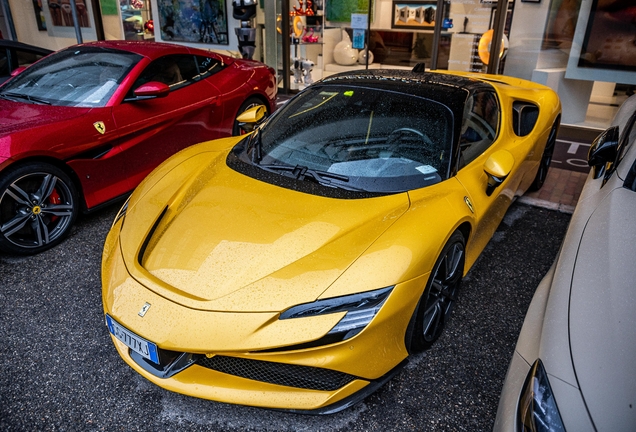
column 435, row 306
column 249, row 103
column 38, row 205
column 546, row 159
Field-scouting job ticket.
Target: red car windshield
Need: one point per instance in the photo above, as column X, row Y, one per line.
column 80, row 77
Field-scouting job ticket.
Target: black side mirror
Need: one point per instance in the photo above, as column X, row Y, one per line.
column 603, row 151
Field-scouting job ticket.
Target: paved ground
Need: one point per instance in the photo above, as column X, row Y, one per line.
column 568, row 172
column 60, row 371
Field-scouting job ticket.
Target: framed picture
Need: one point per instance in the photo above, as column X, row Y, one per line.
column 418, row 15
column 58, row 17
column 602, row 48
column 39, row 15
column 339, row 11
column 203, row 22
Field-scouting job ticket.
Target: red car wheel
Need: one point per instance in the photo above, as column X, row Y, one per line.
column 38, row 205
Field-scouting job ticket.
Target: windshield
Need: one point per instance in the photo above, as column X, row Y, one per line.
column 80, row 77
column 360, row 138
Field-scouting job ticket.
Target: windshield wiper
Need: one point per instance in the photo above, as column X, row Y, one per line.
column 10, row 95
column 300, row 172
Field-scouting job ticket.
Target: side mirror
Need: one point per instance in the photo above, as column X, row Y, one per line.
column 497, row 168
column 17, row 71
column 249, row 119
column 152, row 89
column 604, row 150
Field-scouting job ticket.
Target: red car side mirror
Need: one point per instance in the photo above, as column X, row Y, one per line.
column 16, row 71
column 152, row 89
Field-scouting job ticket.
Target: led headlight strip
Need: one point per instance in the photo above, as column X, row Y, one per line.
column 360, row 308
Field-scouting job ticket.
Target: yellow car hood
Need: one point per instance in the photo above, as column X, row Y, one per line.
column 220, row 240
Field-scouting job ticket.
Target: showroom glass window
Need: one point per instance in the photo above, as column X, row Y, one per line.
column 480, row 124
column 80, row 77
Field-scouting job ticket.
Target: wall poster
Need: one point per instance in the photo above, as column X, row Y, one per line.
column 414, row 14
column 59, row 18
column 341, row 10
column 203, row 21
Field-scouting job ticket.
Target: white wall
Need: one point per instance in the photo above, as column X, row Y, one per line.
column 526, row 37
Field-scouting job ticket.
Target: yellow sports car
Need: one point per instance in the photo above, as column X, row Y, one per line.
column 297, row 267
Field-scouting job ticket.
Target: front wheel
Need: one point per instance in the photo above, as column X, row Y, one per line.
column 436, row 303
column 38, row 205
column 249, row 103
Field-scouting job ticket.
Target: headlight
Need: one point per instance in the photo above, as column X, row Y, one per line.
column 537, row 410
column 121, row 213
column 360, row 308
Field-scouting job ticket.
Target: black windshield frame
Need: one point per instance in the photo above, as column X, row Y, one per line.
column 383, row 141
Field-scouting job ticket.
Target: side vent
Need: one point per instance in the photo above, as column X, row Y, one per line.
column 524, row 117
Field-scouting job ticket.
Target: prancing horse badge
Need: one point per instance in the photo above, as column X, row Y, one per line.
column 144, row 309
column 100, row 126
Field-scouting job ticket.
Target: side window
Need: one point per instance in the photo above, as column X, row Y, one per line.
column 176, row 71
column 208, row 66
column 480, row 125
column 5, row 70
column 27, row 58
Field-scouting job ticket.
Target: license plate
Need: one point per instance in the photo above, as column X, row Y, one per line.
column 136, row 343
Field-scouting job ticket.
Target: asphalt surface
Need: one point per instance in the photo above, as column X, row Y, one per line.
column 60, row 372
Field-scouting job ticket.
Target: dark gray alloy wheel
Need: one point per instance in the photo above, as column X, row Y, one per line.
column 38, row 205
column 249, row 103
column 546, row 158
column 436, row 303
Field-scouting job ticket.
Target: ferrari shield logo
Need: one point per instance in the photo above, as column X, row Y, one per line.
column 100, row 126
column 469, row 204
column 144, row 309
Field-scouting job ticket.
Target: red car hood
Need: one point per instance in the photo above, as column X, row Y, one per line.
column 16, row 116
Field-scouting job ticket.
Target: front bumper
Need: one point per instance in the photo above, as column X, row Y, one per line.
column 254, row 358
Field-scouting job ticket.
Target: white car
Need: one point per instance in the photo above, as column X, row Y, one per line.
column 574, row 366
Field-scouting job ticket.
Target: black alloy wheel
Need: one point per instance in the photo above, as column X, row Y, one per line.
column 436, row 303
column 546, row 158
column 38, row 205
column 249, row 103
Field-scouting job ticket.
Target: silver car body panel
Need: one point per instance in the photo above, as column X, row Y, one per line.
column 581, row 322
column 602, row 315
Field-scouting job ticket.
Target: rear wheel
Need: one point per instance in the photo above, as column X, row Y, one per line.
column 546, row 158
column 249, row 103
column 38, row 206
column 436, row 303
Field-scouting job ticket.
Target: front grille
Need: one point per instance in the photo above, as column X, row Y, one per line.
column 305, row 377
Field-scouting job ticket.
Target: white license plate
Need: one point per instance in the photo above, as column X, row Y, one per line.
column 136, row 343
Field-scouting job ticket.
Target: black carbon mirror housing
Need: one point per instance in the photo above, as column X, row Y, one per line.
column 603, row 151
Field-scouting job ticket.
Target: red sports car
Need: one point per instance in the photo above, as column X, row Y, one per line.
column 85, row 125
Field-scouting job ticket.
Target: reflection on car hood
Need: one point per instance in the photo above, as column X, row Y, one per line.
column 235, row 243
column 602, row 317
column 15, row 116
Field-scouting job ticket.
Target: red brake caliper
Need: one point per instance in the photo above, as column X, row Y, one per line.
column 54, row 198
